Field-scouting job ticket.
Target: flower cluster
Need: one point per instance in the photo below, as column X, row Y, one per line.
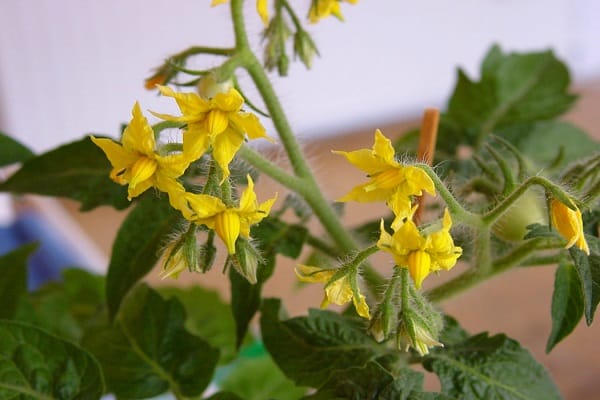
column 215, row 125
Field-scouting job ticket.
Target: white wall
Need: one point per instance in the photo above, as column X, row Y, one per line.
column 71, row 67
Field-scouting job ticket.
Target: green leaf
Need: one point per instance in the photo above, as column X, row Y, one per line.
column 588, row 268
column 452, row 333
column 280, row 237
column 514, row 88
column 265, row 382
column 12, row 151
column 309, row 349
column 484, row 367
column 147, row 350
column 66, row 308
column 77, row 170
column 542, row 141
column 208, row 317
column 136, row 249
column 224, row 396
column 246, row 297
column 567, row 304
column 13, row 285
column 37, row 365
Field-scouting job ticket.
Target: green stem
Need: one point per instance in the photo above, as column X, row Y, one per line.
column 472, row 277
column 306, row 186
column 457, row 211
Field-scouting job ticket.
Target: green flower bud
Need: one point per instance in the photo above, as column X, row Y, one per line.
column 246, row 259
column 209, row 86
column 304, row 47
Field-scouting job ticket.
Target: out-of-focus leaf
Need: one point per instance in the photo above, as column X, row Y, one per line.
column 280, row 237
column 265, row 381
column 37, row 365
column 496, row 367
column 66, row 308
column 567, row 304
column 514, row 88
column 12, row 151
column 136, row 248
column 77, row 170
column 147, row 351
column 13, row 284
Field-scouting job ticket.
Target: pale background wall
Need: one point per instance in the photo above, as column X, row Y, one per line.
column 71, row 67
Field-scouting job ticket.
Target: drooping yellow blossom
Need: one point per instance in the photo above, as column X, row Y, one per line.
column 387, row 176
column 569, row 224
column 228, row 222
column 261, row 9
column 421, row 254
column 340, row 288
column 217, row 122
column 136, row 162
column 320, row 9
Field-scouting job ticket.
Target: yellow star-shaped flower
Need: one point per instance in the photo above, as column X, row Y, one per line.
column 228, row 222
column 340, row 287
column 136, row 162
column 217, row 122
column 388, row 177
column 320, row 9
column 421, row 254
column 569, row 224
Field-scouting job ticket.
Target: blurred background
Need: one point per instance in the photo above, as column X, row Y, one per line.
column 73, row 67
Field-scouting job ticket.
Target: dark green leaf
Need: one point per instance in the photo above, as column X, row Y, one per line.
column 224, row 396
column 309, row 349
column 452, row 333
column 147, row 350
column 265, row 382
column 567, row 304
column 514, row 88
column 12, row 151
column 246, row 297
column 77, row 170
column 66, row 308
column 208, row 317
column 484, row 367
column 13, row 285
column 541, row 142
column 136, row 248
column 280, row 237
column 588, row 268
column 37, row 365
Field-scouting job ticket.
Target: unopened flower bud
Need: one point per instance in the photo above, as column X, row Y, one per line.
column 209, row 86
column 417, row 333
column 305, row 48
column 181, row 254
column 246, row 260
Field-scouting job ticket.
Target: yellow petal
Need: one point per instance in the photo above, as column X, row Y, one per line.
column 263, row 11
column 360, row 304
column 228, row 102
column 227, row 226
column 142, row 170
column 250, row 125
column 569, row 224
column 216, row 122
column 419, row 263
column 339, row 291
column 190, row 104
column 218, row 2
column 205, row 207
column 382, row 148
column 119, row 157
column 225, row 146
column 138, row 136
column 308, row 273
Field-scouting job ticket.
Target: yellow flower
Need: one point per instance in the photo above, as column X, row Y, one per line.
column 228, row 222
column 320, row 9
column 569, row 224
column 421, row 254
column 388, row 176
column 340, row 287
column 261, row 9
column 217, row 122
column 136, row 162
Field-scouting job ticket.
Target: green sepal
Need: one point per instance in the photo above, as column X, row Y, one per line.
column 37, row 365
column 588, row 268
column 78, row 170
